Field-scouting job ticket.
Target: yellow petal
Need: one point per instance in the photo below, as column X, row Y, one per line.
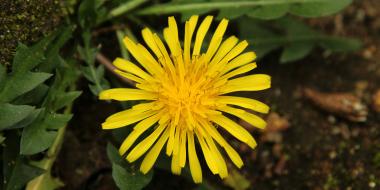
column 129, row 76
column 128, row 113
column 239, row 61
column 195, row 167
column 128, row 66
column 226, row 47
column 182, row 149
column 221, row 163
column 236, row 159
column 234, row 129
column 139, row 129
column 124, row 119
column 176, row 169
column 165, row 60
column 189, row 30
column 201, row 33
column 149, row 40
column 234, row 156
column 143, row 56
column 207, row 154
column 170, row 145
column 244, row 102
column 152, row 155
column 125, row 94
column 247, row 83
column 238, row 49
column 246, row 116
column 144, row 145
column 216, row 39
column 238, row 71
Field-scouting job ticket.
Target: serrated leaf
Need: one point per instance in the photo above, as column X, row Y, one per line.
column 26, row 58
column 57, row 96
column 95, row 76
column 26, row 121
column 52, row 53
column 295, row 51
column 39, row 135
column 270, row 8
column 100, row 71
column 56, row 121
column 12, row 114
column 124, row 178
column 62, row 100
column 91, row 12
column 33, row 97
column 18, row 84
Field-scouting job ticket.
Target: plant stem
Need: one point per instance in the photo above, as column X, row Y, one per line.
column 50, row 157
column 125, row 8
column 172, row 8
column 107, row 63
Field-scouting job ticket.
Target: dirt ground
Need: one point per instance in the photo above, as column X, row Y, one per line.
column 308, row 146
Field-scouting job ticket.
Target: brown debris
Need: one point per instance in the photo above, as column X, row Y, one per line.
column 279, row 169
column 376, row 101
column 275, row 124
column 342, row 104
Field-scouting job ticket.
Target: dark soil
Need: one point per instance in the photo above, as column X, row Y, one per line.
column 319, row 150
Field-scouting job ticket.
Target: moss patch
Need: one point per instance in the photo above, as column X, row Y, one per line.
column 26, row 22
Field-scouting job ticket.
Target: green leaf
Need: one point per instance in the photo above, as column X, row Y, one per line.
column 44, row 181
column 125, row 7
column 3, row 74
column 26, row 58
column 319, row 8
column 296, row 38
column 91, row 12
column 22, row 173
column 64, row 99
column 237, row 181
column 12, row 114
column 18, row 84
column 16, row 171
column 265, row 9
column 2, row 138
column 26, row 121
column 33, row 97
column 40, row 135
column 295, row 51
column 270, row 12
column 340, row 44
column 124, row 178
column 57, row 96
column 52, row 53
column 56, row 121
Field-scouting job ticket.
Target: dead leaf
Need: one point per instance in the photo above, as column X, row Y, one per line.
column 342, row 104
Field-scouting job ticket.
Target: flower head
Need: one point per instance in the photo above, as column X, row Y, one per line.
column 184, row 97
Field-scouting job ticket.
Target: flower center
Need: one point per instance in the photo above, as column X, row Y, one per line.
column 187, row 96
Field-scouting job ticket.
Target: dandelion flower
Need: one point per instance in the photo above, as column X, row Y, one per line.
column 184, row 97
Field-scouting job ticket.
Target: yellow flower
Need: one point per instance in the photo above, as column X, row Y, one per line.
column 184, row 97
